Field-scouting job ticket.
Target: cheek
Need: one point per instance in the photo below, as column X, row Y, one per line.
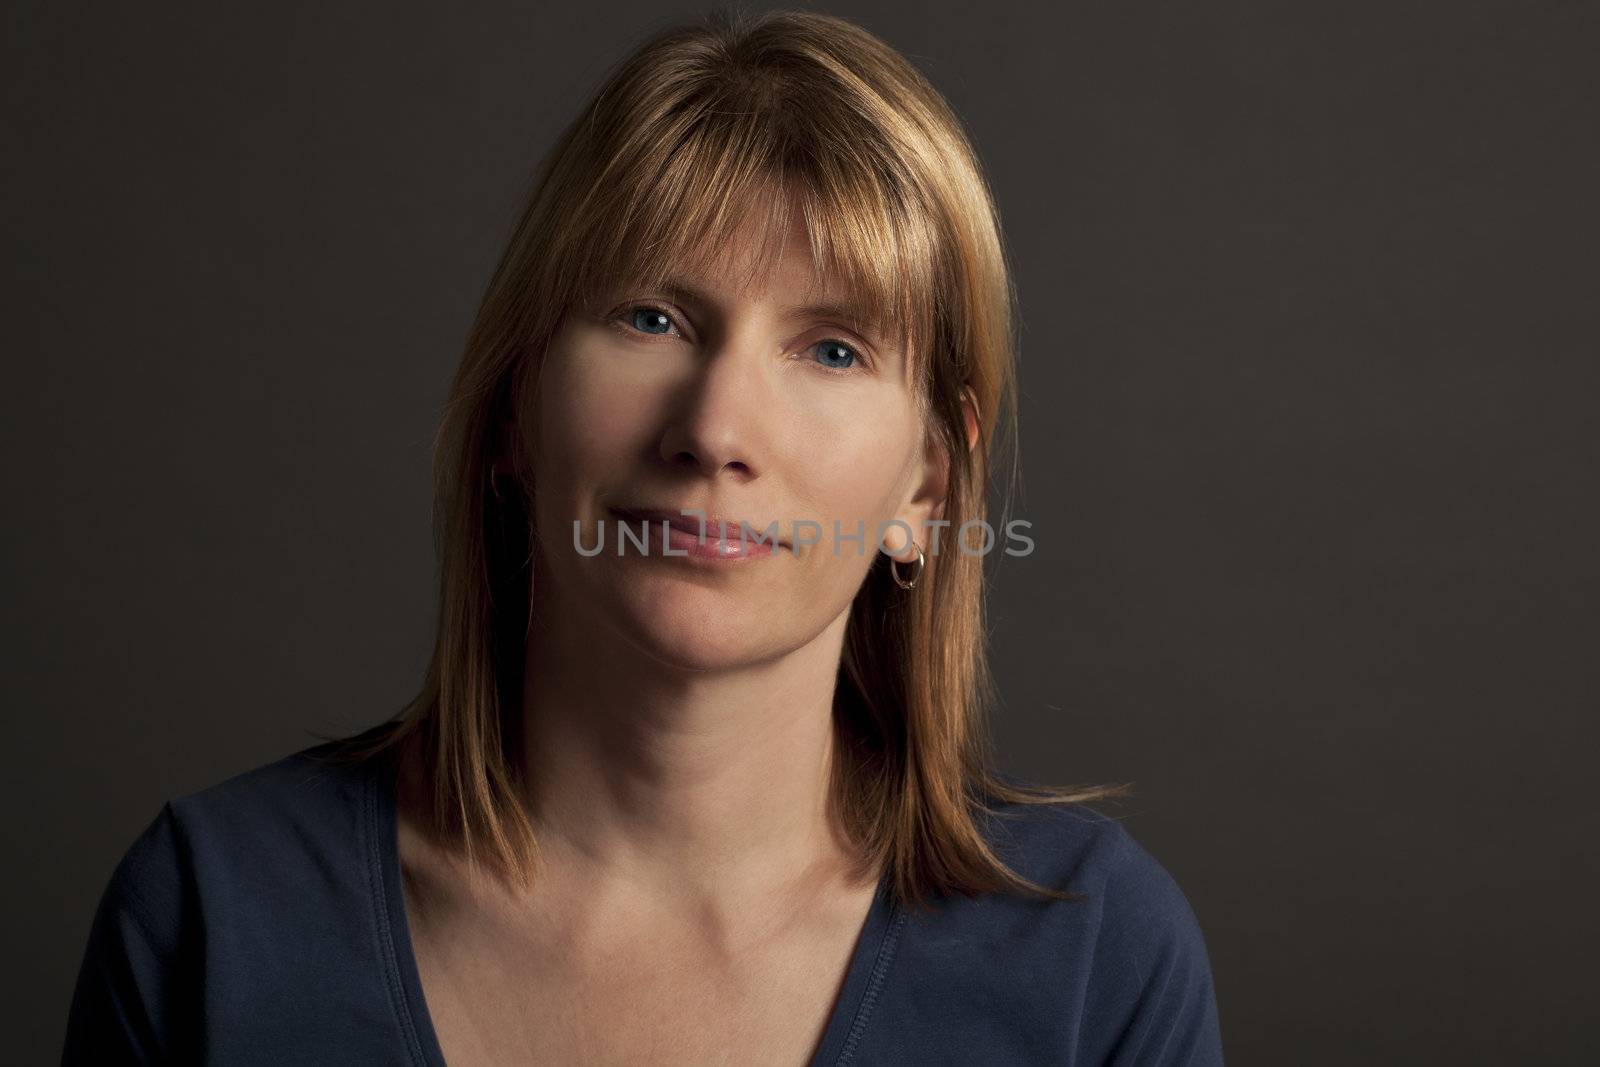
column 856, row 471
column 591, row 419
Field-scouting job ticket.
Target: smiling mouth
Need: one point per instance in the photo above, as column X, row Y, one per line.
column 691, row 524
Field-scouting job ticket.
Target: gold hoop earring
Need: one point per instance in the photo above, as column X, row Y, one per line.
column 894, row 568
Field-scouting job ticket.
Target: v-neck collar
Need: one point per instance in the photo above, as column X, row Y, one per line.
column 852, row 1011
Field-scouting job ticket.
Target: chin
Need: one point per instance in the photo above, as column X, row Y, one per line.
column 696, row 628
column 699, row 650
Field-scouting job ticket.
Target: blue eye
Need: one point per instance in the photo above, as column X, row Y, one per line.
column 834, row 356
column 659, row 321
column 834, row 350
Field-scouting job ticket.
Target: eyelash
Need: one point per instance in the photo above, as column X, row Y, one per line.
column 624, row 319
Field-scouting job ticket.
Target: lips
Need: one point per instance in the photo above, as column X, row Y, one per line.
column 691, row 523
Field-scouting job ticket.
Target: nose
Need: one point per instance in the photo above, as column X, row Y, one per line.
column 722, row 414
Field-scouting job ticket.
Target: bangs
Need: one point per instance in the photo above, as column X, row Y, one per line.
column 677, row 192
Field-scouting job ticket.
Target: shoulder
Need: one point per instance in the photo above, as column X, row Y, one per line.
column 1080, row 849
column 1124, row 892
column 227, row 896
column 255, row 829
column 306, row 800
column 1132, row 936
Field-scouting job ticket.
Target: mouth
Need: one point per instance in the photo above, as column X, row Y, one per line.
column 713, row 530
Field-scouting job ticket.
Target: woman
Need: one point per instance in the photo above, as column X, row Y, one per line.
column 673, row 793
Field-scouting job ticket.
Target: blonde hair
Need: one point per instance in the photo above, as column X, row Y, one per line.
column 779, row 112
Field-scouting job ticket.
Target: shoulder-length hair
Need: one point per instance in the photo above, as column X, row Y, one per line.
column 778, row 113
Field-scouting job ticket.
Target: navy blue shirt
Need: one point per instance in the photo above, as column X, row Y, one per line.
column 260, row 921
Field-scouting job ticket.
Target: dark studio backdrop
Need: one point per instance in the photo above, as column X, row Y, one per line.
column 1308, row 427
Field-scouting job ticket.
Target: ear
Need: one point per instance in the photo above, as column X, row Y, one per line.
column 928, row 498
column 969, row 414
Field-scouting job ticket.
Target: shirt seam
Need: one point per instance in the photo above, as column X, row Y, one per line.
column 880, row 970
column 380, row 900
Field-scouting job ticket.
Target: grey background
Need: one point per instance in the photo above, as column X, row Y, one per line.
column 1309, row 441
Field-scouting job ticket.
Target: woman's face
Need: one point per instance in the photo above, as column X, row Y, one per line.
column 742, row 407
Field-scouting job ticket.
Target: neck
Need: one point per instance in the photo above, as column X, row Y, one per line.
column 695, row 784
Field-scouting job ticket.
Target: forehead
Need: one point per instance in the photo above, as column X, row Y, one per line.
column 761, row 259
